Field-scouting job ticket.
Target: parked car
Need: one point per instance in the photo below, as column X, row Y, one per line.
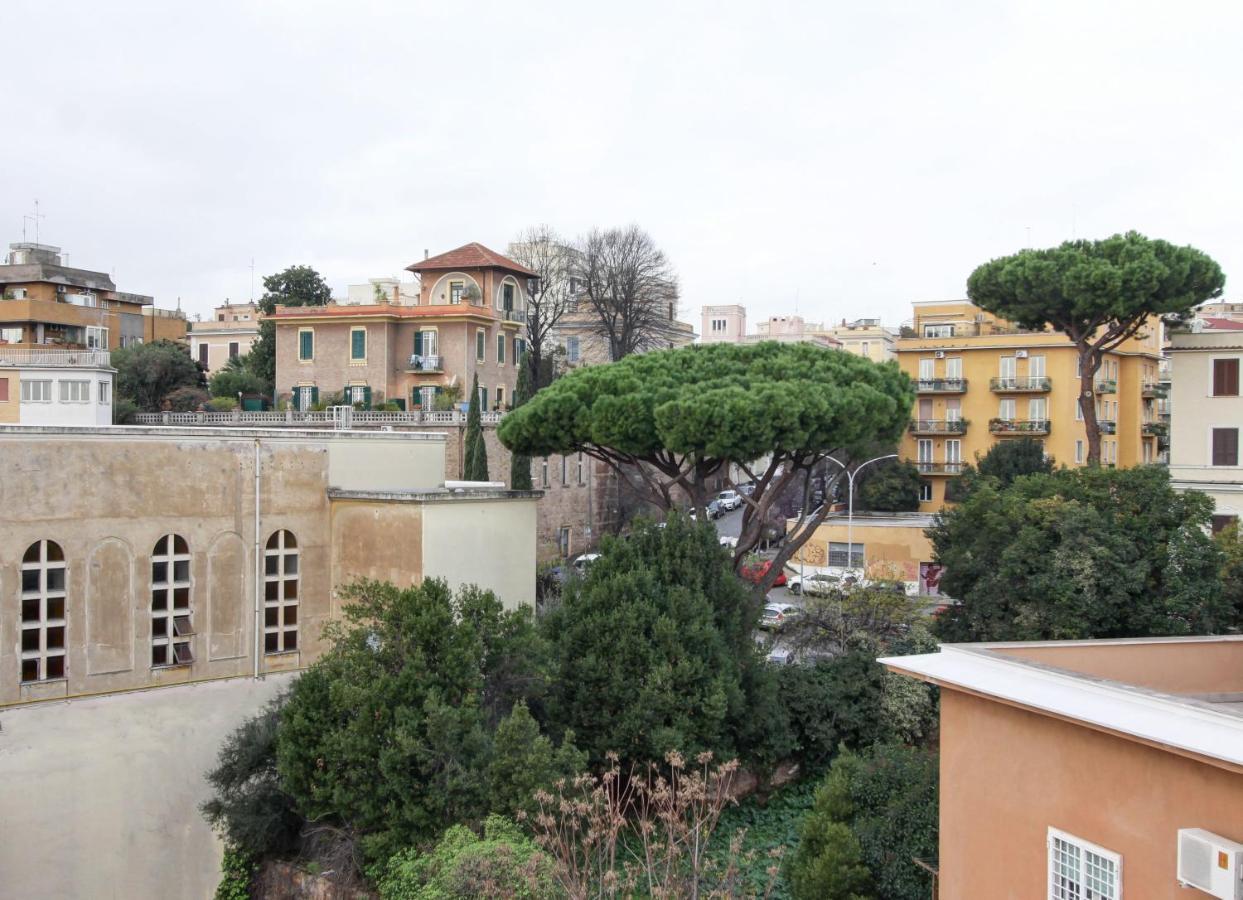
column 780, row 656
column 821, row 584
column 729, row 499
column 748, row 488
column 583, row 563
column 755, row 573
column 729, row 542
column 777, row 615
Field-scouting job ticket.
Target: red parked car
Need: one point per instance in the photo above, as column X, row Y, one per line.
column 756, row 573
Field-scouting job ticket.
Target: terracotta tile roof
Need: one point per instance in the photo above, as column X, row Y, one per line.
column 1218, row 324
column 379, row 309
column 471, row 256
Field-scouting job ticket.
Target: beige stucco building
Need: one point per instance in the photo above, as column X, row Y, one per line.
column 229, row 333
column 863, row 337
column 140, row 556
column 46, row 386
column 1081, row 768
column 1206, row 414
column 886, row 546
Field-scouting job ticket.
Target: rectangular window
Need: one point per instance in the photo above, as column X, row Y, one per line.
column 234, row 347
column 953, row 451
column 1221, row 523
column 953, row 410
column 1225, row 378
column 500, row 398
column 96, row 337
column 75, row 391
column 571, row 348
column 563, row 540
column 203, row 355
column 1225, row 445
column 36, row 391
column 543, row 472
column 1082, row 871
column 483, row 398
column 1008, row 366
column 925, row 492
column 4, row 390
column 479, row 346
column 837, row 555
column 1079, row 451
column 865, row 347
column 927, row 369
column 358, row 344
column 953, row 368
column 1006, row 410
column 924, row 448
column 580, row 469
column 500, row 349
column 1036, row 409
column 938, row 331
column 1035, row 367
column 456, row 289
column 520, row 349
column 306, row 345
column 507, row 296
column 565, row 481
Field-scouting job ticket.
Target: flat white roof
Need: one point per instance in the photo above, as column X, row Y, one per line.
column 1167, row 719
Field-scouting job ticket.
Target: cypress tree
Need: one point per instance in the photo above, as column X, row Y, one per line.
column 519, row 465
column 476, row 451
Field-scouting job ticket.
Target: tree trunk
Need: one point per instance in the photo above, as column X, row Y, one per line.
column 1089, row 363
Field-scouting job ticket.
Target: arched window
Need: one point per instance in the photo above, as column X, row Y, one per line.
column 171, row 626
column 280, row 593
column 43, row 612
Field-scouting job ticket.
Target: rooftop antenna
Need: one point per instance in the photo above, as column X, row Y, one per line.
column 32, row 218
column 1029, row 237
column 252, row 279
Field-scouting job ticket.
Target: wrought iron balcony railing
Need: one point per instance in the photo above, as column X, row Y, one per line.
column 1024, row 384
column 1018, row 426
column 941, row 385
column 938, row 426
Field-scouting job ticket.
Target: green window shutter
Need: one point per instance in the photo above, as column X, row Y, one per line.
column 416, row 398
column 418, row 343
column 306, row 345
column 366, row 398
column 401, row 403
column 358, row 345
column 314, row 395
column 483, row 398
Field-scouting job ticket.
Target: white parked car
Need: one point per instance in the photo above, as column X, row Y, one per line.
column 821, row 584
column 776, row 615
column 729, row 499
column 584, row 562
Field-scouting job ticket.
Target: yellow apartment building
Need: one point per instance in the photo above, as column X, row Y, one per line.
column 980, row 380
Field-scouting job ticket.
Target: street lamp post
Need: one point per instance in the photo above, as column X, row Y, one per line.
column 850, row 502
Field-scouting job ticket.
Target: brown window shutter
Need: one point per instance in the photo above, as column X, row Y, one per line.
column 1225, row 378
column 1225, row 446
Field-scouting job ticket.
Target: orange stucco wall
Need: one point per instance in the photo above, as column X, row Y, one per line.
column 1007, row 775
column 1174, row 667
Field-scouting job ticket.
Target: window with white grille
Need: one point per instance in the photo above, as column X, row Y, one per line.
column 1079, row 870
column 43, row 612
column 280, row 593
column 171, row 627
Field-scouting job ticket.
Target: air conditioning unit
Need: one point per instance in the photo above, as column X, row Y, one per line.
column 1210, row 863
column 1020, row 354
column 940, row 354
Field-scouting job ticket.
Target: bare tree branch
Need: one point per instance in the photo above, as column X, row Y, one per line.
column 542, row 250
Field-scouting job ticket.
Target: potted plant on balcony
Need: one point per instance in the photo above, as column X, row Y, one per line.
column 472, row 295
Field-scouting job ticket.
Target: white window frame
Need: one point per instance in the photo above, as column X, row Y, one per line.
column 1079, row 451
column 44, row 392
column 281, row 548
column 925, row 492
column 927, row 368
column 923, row 450
column 953, row 368
column 1007, row 409
column 96, row 337
column 174, row 618
column 953, row 451
column 940, row 330
column 358, row 360
column 573, row 349
column 1083, row 887
column 481, row 345
column 74, row 390
column 500, row 348
column 1035, row 366
column 1037, row 409
column 105, row 390
column 301, row 332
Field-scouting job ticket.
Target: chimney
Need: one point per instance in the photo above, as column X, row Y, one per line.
column 425, row 254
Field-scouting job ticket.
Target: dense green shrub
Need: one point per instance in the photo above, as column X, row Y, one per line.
column 237, row 871
column 886, row 798
column 1079, row 553
column 504, row 863
column 249, row 807
column 654, row 652
column 389, row 733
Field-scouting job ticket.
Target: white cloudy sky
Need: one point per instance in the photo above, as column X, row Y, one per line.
column 847, row 157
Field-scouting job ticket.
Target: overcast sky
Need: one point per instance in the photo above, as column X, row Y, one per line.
column 847, row 158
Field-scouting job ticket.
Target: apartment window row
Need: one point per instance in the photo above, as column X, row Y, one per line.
column 44, row 595
column 924, row 451
column 580, row 469
column 68, row 390
column 952, row 368
column 1037, row 409
column 306, row 346
column 718, row 325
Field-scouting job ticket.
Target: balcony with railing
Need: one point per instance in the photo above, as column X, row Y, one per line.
column 54, row 358
column 1021, row 427
column 1106, row 386
column 1107, row 426
column 1155, row 429
column 1027, row 384
column 939, row 468
column 938, row 426
column 422, row 362
column 941, row 385
column 1154, row 390
column 513, row 315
